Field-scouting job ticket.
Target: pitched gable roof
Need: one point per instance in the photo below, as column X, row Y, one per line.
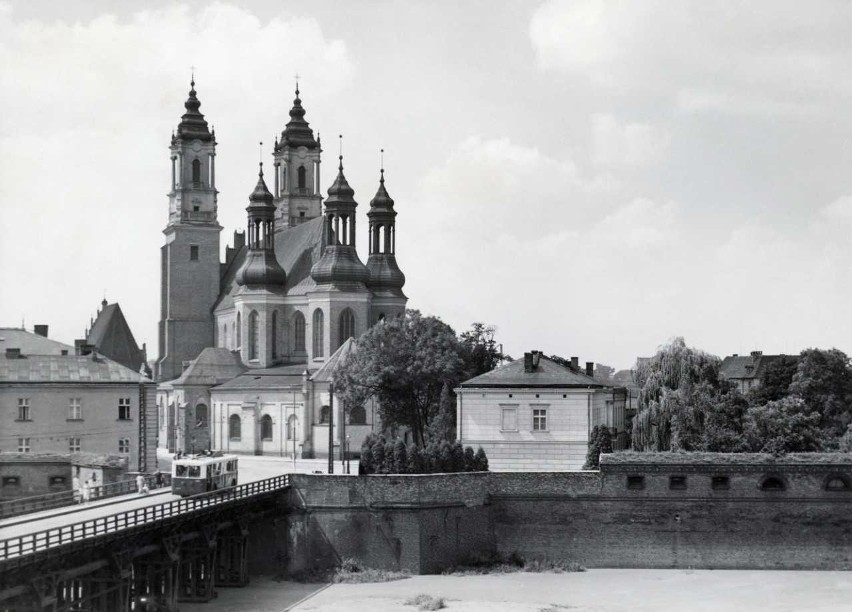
column 66, row 368
column 337, row 359
column 547, row 374
column 213, row 366
column 746, row 366
column 30, row 343
column 111, row 334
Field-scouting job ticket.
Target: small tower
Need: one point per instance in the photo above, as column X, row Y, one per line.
column 297, row 171
column 259, row 301
column 339, row 305
column 386, row 279
column 190, row 256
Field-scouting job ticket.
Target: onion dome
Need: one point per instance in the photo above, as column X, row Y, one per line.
column 192, row 124
column 385, row 275
column 261, row 268
column 340, row 267
column 297, row 132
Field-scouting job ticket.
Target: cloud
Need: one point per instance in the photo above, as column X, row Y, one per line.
column 637, row 144
column 757, row 57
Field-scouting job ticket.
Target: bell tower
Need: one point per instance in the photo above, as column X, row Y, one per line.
column 297, row 171
column 190, row 255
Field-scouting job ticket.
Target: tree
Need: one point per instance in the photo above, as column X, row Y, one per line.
column 846, row 441
column 775, row 380
column 404, row 363
column 600, row 441
column 480, row 352
column 415, row 460
column 783, row 426
column 390, row 466
column 443, row 425
column 470, row 459
column 400, row 457
column 604, row 372
column 481, row 460
column 378, row 452
column 823, row 379
column 365, row 463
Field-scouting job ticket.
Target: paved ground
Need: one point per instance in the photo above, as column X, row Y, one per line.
column 602, row 591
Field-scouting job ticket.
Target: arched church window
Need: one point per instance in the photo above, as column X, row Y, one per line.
column 252, row 330
column 319, row 320
column 201, row 418
column 302, row 177
column 347, row 326
column 772, row 483
column 357, row 415
column 225, row 336
column 266, row 427
column 292, row 424
column 325, row 414
column 284, row 178
column 196, row 172
column 299, row 332
column 274, row 336
column 234, row 427
column 239, row 331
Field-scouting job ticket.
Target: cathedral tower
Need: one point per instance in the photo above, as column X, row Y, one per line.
column 190, row 256
column 259, row 301
column 297, row 171
column 386, row 279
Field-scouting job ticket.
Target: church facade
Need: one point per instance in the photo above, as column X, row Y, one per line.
column 248, row 346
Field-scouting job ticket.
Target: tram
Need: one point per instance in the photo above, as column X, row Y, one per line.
column 193, row 474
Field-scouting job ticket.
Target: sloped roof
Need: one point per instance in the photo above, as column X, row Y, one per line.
column 296, row 249
column 278, row 377
column 547, row 374
column 66, row 368
column 213, row 366
column 30, row 343
column 746, row 366
column 111, row 334
column 337, row 359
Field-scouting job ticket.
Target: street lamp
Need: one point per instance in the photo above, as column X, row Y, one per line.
column 346, row 455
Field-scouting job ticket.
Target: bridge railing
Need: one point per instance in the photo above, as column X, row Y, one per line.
column 48, row 501
column 42, row 540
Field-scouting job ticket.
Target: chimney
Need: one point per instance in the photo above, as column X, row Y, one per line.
column 528, row 362
column 81, row 347
column 590, row 368
column 13, row 353
column 756, row 354
column 536, row 355
column 40, row 330
column 575, row 363
column 734, row 355
column 239, row 240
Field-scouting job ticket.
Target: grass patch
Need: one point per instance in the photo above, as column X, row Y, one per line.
column 494, row 563
column 426, row 602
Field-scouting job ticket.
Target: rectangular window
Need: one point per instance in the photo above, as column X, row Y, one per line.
column 677, row 483
column 75, row 409
column 721, row 483
column 509, row 420
column 635, row 482
column 11, row 481
column 193, row 252
column 539, row 419
column 73, row 445
column 124, row 409
column 24, row 445
column 54, row 481
column 24, row 409
column 124, row 445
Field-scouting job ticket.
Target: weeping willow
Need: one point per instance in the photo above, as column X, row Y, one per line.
column 666, row 415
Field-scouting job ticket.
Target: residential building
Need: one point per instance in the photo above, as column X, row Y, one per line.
column 536, row 414
column 111, row 336
column 746, row 371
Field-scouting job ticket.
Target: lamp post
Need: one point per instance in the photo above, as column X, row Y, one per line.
column 331, row 428
column 348, row 465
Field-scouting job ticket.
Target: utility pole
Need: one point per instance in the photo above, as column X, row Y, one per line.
column 331, row 428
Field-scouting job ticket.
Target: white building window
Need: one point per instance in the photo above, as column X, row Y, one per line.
column 124, row 409
column 24, row 445
column 539, row 416
column 75, row 409
column 24, row 409
column 124, row 445
column 73, row 445
column 509, row 418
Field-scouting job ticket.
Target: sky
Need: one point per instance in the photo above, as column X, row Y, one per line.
column 592, row 178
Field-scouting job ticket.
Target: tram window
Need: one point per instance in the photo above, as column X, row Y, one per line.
column 193, row 471
column 180, row 470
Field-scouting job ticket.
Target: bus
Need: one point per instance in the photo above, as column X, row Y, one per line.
column 193, row 474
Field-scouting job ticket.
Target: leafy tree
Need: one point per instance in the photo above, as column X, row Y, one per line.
column 481, row 460
column 404, row 363
column 723, row 425
column 604, row 372
column 378, row 452
column 783, row 426
column 846, row 441
column 400, row 457
column 600, row 441
column 823, row 379
column 444, row 461
column 470, row 459
column 415, row 460
column 365, row 463
column 390, row 466
column 458, row 457
column 480, row 352
column 775, row 380
column 443, row 425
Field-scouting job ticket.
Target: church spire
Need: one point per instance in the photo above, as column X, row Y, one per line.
column 261, row 268
column 385, row 275
column 192, row 125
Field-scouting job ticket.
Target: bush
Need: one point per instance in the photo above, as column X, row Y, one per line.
column 481, row 460
column 400, row 457
column 458, row 457
column 469, row 459
column 390, row 463
column 365, row 463
column 426, row 602
column 445, row 457
column 846, row 441
column 600, row 441
column 378, row 453
column 415, row 459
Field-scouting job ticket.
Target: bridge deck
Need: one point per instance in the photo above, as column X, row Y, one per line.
column 58, row 529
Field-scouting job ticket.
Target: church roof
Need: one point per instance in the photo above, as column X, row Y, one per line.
column 213, row 366
column 548, row 374
column 66, row 368
column 30, row 343
column 111, row 334
column 192, row 124
column 337, row 359
column 298, row 133
column 278, row 377
column 296, row 249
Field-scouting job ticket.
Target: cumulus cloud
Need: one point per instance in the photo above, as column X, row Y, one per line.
column 616, row 142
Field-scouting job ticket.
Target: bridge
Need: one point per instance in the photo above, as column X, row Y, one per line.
column 137, row 553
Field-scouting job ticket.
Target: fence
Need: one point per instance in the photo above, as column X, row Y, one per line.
column 67, row 534
column 36, row 503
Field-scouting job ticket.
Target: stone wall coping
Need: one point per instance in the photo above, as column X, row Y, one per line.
column 721, row 460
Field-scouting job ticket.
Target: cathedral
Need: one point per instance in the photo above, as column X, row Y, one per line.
column 248, row 346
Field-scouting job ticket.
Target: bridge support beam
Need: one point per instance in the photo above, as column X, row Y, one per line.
column 232, row 561
column 198, row 567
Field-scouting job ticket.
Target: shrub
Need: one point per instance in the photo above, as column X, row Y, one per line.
column 365, row 464
column 400, row 457
column 445, row 456
column 390, row 463
column 378, row 453
column 458, row 457
column 846, row 441
column 469, row 459
column 481, row 460
column 600, row 441
column 426, row 602
column 415, row 459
